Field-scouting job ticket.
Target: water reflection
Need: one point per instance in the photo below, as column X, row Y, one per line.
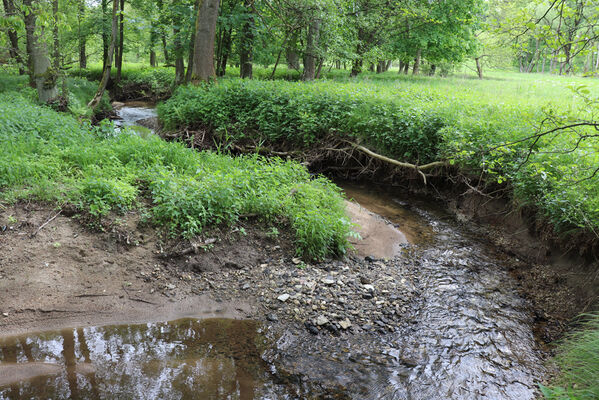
column 213, row 358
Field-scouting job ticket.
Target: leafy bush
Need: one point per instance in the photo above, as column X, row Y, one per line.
column 47, row 155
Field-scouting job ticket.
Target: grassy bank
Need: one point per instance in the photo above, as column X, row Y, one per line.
column 418, row 122
column 49, row 156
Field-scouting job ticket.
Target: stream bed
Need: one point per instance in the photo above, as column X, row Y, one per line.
column 467, row 334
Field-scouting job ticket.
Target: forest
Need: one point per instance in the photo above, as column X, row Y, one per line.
column 262, row 114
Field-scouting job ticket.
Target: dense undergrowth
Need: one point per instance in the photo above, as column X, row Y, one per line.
column 49, row 156
column 413, row 123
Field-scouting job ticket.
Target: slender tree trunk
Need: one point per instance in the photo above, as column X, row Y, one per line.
column 203, row 62
column 319, row 69
column 226, row 45
column 338, row 64
column 13, row 39
column 120, row 49
column 108, row 62
column 192, row 41
column 479, row 68
column 105, row 36
column 389, row 64
column 379, row 67
column 30, row 21
column 400, row 69
column 416, row 68
column 81, row 37
column 406, row 68
column 597, row 62
column 247, row 43
column 310, row 55
column 178, row 45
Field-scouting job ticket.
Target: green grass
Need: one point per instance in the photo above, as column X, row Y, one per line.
column 49, row 156
column 80, row 90
column 578, row 359
column 417, row 120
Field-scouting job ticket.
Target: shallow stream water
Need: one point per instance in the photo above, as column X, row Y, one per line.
column 468, row 335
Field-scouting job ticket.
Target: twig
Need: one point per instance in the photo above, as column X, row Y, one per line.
column 45, row 223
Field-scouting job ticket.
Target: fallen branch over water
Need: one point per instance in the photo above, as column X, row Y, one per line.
column 418, row 168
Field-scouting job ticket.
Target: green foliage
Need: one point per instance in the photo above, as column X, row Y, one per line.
column 578, row 359
column 305, row 114
column 49, row 156
column 419, row 119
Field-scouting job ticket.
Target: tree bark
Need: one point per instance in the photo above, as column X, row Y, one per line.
column 108, row 62
column 30, row 21
column 13, row 39
column 319, row 69
column 203, row 62
column 291, row 52
column 246, row 45
column 105, row 37
column 192, row 41
column 433, row 70
column 45, row 76
column 406, row 68
column 416, row 68
column 178, row 46
column 479, row 68
column 310, row 55
column 119, row 52
column 81, row 37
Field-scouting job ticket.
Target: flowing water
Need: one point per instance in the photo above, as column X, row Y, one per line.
column 133, row 114
column 468, row 335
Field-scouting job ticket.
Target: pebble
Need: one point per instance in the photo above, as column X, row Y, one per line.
column 5, row 314
column 284, row 297
column 321, row 320
column 345, row 324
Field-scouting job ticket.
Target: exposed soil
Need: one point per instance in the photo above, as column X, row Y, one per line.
column 71, row 274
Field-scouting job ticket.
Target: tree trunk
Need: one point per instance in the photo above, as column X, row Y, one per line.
column 246, row 45
column 388, row 65
column 406, row 68
column 225, row 51
column 178, row 46
column 416, row 68
column 291, row 52
column 192, row 41
column 401, row 66
column 319, row 69
column 379, row 67
column 338, row 64
column 203, row 62
column 310, row 55
column 356, row 67
column 80, row 36
column 479, row 68
column 45, row 76
column 152, row 58
column 30, row 20
column 119, row 52
column 597, row 62
column 433, row 70
column 108, row 62
column 105, row 37
column 13, row 39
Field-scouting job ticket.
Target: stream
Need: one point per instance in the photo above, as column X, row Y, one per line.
column 468, row 335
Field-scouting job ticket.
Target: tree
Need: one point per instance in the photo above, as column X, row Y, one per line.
column 205, row 31
column 108, row 61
